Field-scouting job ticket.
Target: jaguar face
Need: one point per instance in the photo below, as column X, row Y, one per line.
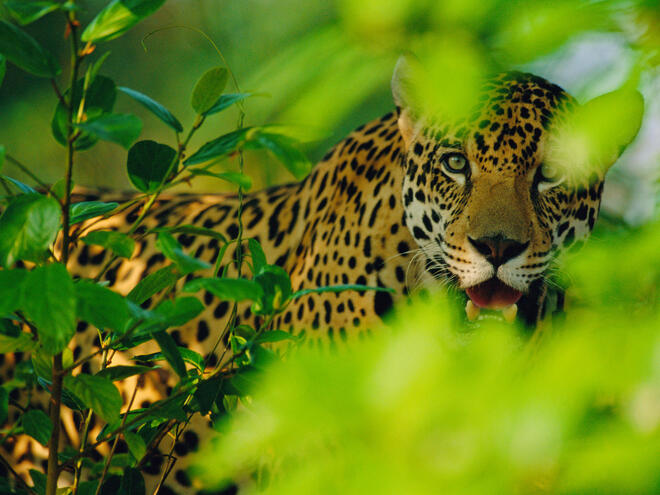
column 494, row 199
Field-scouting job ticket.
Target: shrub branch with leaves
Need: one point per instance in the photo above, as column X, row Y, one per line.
column 41, row 301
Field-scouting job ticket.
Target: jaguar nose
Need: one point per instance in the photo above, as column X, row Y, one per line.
column 498, row 249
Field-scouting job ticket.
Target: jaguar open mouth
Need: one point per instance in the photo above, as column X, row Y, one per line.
column 492, row 294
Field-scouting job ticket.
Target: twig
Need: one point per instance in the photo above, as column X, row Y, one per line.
column 83, row 442
column 27, row 171
column 114, row 444
column 5, row 186
column 20, row 480
column 59, row 94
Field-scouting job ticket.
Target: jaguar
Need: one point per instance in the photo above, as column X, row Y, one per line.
column 484, row 204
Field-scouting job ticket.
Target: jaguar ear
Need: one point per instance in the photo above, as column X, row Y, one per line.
column 402, row 92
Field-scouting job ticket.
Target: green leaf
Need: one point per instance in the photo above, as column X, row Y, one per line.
column 28, row 12
column 88, row 487
column 258, row 256
column 94, row 68
column 24, row 188
column 28, row 225
column 273, row 336
column 167, row 409
column 243, row 382
column 89, row 209
column 225, row 144
column 207, row 392
column 193, row 230
column 173, row 251
column 24, row 343
column 100, row 306
column 148, row 163
column 154, row 107
column 23, row 51
column 39, row 480
column 118, row 17
column 340, row 288
column 99, row 100
column 120, row 244
column 97, row 393
column 168, row 314
column 173, row 313
column 261, row 358
column 208, row 89
column 4, row 405
column 11, row 290
column 188, row 355
column 118, row 373
column 285, row 149
column 171, row 352
column 3, row 70
column 225, row 101
column 136, row 445
column 227, row 289
column 37, row 425
column 154, row 283
column 50, row 302
column 122, row 129
column 132, row 482
column 237, row 178
column 42, row 364
column 58, row 189
column 276, row 286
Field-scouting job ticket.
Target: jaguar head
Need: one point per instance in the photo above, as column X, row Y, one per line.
column 494, row 197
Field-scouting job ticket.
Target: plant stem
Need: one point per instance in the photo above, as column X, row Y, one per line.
column 114, row 444
column 18, row 478
column 58, row 377
column 53, row 445
column 59, row 94
column 83, row 443
column 26, row 171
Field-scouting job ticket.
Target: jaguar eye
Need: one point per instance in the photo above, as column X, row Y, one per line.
column 549, row 173
column 455, row 163
column 548, row 176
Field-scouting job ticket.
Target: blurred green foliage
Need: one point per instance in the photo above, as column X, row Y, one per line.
column 428, row 407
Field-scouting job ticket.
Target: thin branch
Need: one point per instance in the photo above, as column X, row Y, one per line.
column 114, row 444
column 3, row 181
column 83, row 442
column 27, row 171
column 20, row 480
column 59, row 94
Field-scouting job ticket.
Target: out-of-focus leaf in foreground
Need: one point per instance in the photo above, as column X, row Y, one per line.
column 429, row 408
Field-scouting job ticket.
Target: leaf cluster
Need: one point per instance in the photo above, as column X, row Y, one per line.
column 42, row 303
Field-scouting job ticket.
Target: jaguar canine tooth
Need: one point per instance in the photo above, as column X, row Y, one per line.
column 509, row 313
column 471, row 310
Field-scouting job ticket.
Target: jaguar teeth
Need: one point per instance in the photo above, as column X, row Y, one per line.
column 509, row 313
column 471, row 310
